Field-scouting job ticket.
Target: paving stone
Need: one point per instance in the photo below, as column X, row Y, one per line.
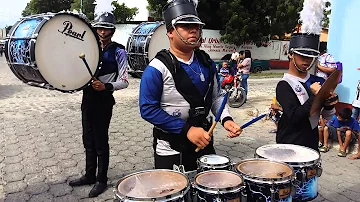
column 43, row 197
column 35, row 189
column 13, row 187
column 14, row 176
column 18, row 197
column 10, row 168
column 60, row 190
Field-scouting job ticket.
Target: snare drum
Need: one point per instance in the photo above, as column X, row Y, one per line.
column 267, row 180
column 154, row 185
column 214, row 162
column 305, row 162
column 146, row 40
column 219, row 185
column 43, row 50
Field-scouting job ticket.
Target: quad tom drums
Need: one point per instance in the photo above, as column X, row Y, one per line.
column 43, row 50
column 219, row 185
column 267, row 180
column 214, row 162
column 154, row 185
column 305, row 162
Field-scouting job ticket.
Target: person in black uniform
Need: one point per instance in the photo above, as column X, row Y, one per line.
column 296, row 92
column 97, row 105
column 178, row 89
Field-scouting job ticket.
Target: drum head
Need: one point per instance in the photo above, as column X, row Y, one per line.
column 60, row 42
column 264, row 169
column 152, row 184
column 214, row 159
column 158, row 41
column 288, row 153
column 218, row 179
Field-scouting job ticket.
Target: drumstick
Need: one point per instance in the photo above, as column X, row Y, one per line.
column 217, row 118
column 82, row 56
column 253, row 121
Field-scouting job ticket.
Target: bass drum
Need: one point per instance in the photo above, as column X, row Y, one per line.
column 43, row 51
column 144, row 43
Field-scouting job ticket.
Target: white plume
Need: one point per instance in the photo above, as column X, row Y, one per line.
column 195, row 2
column 311, row 16
column 103, row 6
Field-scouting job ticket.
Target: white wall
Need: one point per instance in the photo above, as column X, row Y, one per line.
column 143, row 13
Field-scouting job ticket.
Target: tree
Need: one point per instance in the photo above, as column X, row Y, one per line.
column 87, row 7
column 44, row 6
column 258, row 20
column 123, row 13
column 327, row 12
column 155, row 7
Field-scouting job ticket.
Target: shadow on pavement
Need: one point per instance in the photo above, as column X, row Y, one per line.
column 7, row 91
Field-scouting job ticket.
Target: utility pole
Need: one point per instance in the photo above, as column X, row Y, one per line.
column 81, row 6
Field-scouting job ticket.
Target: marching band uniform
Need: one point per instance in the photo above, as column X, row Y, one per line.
column 97, row 105
column 177, row 95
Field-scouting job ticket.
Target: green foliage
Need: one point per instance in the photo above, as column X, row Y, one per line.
column 258, row 20
column 155, row 7
column 43, row 6
column 123, row 13
column 87, row 7
column 327, row 12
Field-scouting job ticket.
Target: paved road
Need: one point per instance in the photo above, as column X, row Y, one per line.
column 41, row 148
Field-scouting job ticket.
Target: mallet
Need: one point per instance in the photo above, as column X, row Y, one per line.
column 82, row 56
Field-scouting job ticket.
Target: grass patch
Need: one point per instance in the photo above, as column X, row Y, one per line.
column 266, row 75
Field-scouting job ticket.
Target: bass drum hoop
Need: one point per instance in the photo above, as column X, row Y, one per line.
column 176, row 196
column 99, row 49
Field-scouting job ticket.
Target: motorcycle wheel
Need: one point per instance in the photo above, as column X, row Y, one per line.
column 237, row 98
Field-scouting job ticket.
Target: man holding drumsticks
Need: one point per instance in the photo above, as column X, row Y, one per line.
column 178, row 89
column 97, row 105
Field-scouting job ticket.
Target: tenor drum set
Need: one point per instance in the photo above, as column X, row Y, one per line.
column 278, row 173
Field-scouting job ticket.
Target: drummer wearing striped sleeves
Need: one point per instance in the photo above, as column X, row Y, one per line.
column 97, row 104
column 178, row 89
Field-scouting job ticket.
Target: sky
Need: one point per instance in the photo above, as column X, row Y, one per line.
column 11, row 13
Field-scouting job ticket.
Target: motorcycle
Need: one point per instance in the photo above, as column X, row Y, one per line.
column 237, row 94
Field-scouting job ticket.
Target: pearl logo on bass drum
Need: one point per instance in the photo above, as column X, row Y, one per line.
column 68, row 31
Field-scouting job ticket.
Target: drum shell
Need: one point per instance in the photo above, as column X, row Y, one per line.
column 306, row 177
column 183, row 195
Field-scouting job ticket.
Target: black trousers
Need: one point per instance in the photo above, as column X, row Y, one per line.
column 95, row 123
column 189, row 157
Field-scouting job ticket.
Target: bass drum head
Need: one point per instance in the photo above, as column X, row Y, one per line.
column 60, row 42
column 158, row 41
column 287, row 153
column 152, row 184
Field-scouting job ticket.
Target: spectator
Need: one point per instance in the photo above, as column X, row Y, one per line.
column 224, row 71
column 244, row 67
column 347, row 129
column 326, row 63
column 356, row 103
column 326, row 131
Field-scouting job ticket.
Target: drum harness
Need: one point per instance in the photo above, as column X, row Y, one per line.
column 199, row 106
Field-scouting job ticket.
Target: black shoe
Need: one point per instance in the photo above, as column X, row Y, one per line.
column 98, row 189
column 81, row 181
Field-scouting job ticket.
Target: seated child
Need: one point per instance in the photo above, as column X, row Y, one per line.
column 326, row 131
column 347, row 129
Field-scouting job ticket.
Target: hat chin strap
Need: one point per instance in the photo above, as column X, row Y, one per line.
column 185, row 41
column 307, row 69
